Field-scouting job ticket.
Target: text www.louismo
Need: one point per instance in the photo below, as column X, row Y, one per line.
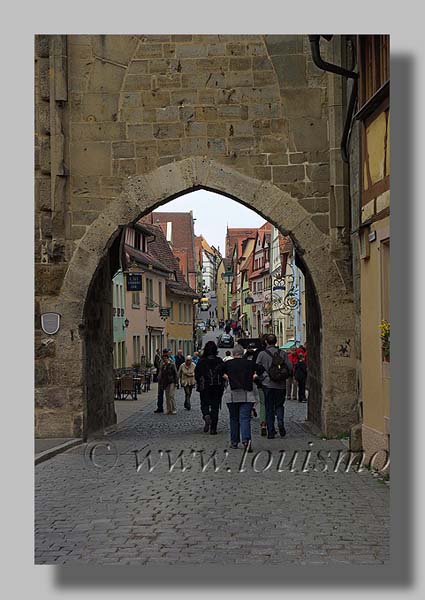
column 301, row 461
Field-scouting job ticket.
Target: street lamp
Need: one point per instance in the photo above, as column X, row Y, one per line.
column 228, row 278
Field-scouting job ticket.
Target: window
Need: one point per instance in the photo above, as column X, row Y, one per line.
column 180, row 312
column 136, row 348
column 160, row 293
column 117, row 296
column 149, row 293
column 135, row 299
column 172, row 311
column 115, row 356
column 375, row 64
column 137, row 240
column 185, row 312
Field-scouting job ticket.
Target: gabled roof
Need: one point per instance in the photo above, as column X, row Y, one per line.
column 236, row 235
column 160, row 248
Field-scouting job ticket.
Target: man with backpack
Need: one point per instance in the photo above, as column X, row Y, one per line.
column 277, row 369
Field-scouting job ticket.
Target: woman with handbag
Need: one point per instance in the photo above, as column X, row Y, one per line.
column 210, row 385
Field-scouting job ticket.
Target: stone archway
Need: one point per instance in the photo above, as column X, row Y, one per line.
column 143, row 194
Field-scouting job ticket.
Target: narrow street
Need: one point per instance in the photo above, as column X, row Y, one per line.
column 93, row 505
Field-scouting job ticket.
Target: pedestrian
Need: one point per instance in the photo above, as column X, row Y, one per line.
column 300, row 374
column 195, row 358
column 156, row 364
column 277, row 369
column 210, row 385
column 240, row 396
column 291, row 384
column 179, row 360
column 160, row 396
column 186, row 375
column 168, row 380
column 228, row 356
column 228, row 328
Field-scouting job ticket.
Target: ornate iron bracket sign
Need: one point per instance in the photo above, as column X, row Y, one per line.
column 285, row 302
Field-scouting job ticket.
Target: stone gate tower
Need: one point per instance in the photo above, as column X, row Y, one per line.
column 123, row 123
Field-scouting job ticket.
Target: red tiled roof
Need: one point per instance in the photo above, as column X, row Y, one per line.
column 237, row 235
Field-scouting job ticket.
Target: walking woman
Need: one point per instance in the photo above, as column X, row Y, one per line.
column 240, row 395
column 210, row 385
column 167, row 379
column 187, row 379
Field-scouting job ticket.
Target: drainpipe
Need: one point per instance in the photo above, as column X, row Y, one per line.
column 338, row 70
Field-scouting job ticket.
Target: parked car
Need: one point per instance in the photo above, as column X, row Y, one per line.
column 225, row 340
column 201, row 325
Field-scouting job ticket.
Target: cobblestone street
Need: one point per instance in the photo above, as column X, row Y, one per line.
column 93, row 505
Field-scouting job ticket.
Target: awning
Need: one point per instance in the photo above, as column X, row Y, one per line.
column 287, row 345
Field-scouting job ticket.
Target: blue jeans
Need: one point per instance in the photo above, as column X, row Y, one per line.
column 240, row 421
column 274, row 401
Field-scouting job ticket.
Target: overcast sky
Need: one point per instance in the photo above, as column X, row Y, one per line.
column 213, row 213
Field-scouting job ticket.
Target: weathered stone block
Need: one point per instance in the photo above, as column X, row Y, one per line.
column 191, row 50
column 206, row 113
column 194, row 146
column 262, row 78
column 193, row 129
column 48, row 279
column 41, row 375
column 106, row 77
column 147, row 50
column 97, row 132
column 239, row 78
column 321, row 222
column 99, row 107
column 123, row 150
column 184, row 97
column 168, row 82
column 155, row 99
column 90, row 158
column 139, row 67
column 216, row 146
column 273, row 144
column 308, row 134
column 147, row 148
column 134, row 83
column 168, row 130
column 277, row 158
column 117, row 48
column 290, row 70
column 139, row 132
column 319, row 172
column 168, row 114
column 284, row 44
column 236, row 48
column 301, row 102
column 169, row 147
column 288, row 174
column 43, row 78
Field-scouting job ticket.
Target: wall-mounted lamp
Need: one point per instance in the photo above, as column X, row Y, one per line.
column 126, row 323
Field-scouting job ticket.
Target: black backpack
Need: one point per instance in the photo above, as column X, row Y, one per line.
column 278, row 371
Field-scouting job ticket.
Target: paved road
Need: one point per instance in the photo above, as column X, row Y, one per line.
column 115, row 514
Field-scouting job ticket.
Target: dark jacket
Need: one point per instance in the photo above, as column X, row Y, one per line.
column 300, row 371
column 179, row 360
column 167, row 374
column 241, row 372
column 207, row 373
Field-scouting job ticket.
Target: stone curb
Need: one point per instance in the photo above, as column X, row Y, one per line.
column 51, row 452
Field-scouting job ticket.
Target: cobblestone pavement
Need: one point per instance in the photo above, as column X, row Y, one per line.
column 93, row 505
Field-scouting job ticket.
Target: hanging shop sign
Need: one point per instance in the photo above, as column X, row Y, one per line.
column 134, row 282
column 164, row 312
column 249, row 300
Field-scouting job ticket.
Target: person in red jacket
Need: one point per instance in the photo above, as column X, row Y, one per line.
column 291, row 382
